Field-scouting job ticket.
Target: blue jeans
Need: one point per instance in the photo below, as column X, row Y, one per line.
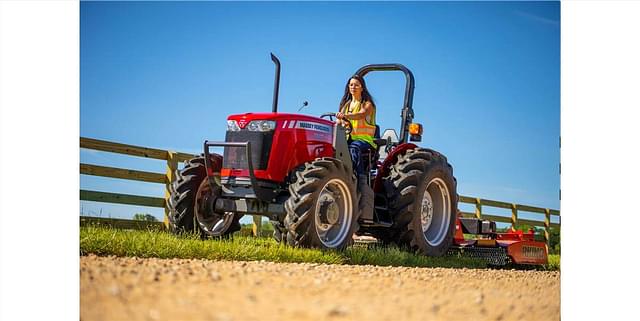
column 356, row 148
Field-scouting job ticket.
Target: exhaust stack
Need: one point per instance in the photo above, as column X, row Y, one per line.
column 276, row 86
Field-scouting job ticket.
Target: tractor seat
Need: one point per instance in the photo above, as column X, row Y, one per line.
column 376, row 138
column 380, row 142
column 371, row 156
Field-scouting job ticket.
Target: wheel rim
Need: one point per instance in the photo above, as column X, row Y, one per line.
column 212, row 223
column 333, row 213
column 435, row 212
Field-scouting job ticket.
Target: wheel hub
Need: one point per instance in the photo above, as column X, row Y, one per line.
column 333, row 213
column 329, row 211
column 214, row 224
column 435, row 216
column 427, row 212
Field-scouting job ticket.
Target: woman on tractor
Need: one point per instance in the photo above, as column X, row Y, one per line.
column 357, row 109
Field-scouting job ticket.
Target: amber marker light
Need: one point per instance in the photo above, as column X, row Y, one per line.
column 415, row 129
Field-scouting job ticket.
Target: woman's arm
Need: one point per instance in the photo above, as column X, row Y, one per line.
column 362, row 113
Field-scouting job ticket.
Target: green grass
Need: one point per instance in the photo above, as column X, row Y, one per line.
column 554, row 263
column 108, row 241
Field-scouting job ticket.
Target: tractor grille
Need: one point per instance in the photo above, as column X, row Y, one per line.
column 235, row 157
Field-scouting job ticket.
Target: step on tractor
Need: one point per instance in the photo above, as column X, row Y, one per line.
column 297, row 171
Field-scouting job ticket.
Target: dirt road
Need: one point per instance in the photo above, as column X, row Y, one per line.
column 155, row 289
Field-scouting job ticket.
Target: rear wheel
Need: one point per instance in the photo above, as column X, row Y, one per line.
column 189, row 194
column 423, row 201
column 322, row 209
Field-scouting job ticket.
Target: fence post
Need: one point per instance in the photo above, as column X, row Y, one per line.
column 478, row 208
column 547, row 222
column 172, row 165
column 257, row 225
column 514, row 216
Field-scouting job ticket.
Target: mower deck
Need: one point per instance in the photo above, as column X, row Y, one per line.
column 497, row 248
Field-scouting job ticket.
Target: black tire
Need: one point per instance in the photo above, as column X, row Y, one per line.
column 406, row 185
column 182, row 200
column 306, row 217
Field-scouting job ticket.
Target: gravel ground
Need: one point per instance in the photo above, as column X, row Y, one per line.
column 115, row 288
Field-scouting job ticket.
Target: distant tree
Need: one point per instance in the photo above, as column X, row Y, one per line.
column 144, row 217
column 267, row 227
column 522, row 227
column 554, row 240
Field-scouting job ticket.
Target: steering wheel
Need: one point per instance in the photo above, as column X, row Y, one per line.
column 346, row 124
column 331, row 116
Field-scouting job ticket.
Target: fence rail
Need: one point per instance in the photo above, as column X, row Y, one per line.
column 173, row 158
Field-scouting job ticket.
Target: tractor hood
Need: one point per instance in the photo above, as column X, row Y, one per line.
column 282, row 119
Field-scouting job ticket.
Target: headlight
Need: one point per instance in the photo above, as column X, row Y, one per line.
column 232, row 126
column 262, row 125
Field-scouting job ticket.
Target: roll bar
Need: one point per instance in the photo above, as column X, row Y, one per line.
column 407, row 108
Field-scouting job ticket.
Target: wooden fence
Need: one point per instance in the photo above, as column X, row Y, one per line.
column 172, row 158
column 513, row 220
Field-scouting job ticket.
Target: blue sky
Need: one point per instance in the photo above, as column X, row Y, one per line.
column 166, row 75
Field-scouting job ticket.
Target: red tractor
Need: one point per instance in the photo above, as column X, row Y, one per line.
column 297, row 171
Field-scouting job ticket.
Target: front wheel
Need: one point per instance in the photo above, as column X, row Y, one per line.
column 322, row 209
column 190, row 193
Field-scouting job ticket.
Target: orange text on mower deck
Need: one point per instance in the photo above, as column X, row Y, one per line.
column 528, row 252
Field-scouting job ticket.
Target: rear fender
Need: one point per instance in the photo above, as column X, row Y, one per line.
column 383, row 170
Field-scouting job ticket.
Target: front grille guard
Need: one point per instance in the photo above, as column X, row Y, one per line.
column 260, row 192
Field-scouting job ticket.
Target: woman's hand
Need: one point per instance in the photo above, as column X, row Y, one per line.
column 366, row 110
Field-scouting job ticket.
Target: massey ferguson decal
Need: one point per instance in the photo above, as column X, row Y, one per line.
column 313, row 126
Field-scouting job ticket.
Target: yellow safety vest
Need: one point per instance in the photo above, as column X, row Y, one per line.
column 362, row 129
